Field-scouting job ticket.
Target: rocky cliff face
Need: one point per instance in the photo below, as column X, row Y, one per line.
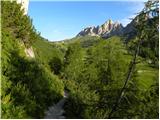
column 109, row 28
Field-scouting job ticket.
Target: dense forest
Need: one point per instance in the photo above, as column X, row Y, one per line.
column 115, row 77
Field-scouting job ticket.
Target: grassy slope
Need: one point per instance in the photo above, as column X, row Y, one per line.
column 146, row 75
column 45, row 51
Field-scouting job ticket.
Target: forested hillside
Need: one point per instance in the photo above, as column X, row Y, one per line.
column 28, row 85
column 104, row 78
column 94, row 77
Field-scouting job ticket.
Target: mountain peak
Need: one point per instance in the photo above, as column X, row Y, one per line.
column 109, row 21
column 104, row 30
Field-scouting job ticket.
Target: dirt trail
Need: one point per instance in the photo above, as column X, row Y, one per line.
column 56, row 111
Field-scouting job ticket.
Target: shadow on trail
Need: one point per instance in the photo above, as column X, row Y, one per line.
column 56, row 111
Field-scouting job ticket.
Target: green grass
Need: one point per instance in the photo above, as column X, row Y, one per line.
column 146, row 75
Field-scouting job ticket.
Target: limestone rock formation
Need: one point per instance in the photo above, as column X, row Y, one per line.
column 29, row 52
column 24, row 3
column 107, row 29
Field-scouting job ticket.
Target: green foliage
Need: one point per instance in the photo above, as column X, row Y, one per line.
column 55, row 65
column 45, row 51
column 147, row 41
column 93, row 71
column 18, row 24
column 147, row 32
column 31, row 83
column 28, row 86
column 96, row 68
column 94, row 76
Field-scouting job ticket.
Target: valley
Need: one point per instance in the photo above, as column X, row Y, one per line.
column 104, row 72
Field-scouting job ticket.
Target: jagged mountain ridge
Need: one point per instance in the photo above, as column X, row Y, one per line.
column 110, row 28
column 107, row 29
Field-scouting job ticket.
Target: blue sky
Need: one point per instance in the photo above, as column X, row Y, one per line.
column 62, row 20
